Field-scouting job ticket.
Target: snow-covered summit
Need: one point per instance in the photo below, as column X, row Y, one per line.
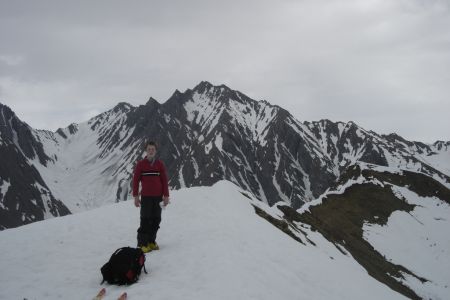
column 213, row 246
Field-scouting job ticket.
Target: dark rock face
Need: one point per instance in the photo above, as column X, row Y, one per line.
column 442, row 146
column 212, row 133
column 20, row 134
column 24, row 196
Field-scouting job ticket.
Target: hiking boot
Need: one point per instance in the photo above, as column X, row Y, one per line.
column 153, row 246
column 146, row 249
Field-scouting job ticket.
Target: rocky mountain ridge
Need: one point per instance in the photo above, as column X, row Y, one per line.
column 206, row 134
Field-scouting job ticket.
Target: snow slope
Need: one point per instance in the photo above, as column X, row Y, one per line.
column 417, row 240
column 213, row 246
column 440, row 160
column 84, row 174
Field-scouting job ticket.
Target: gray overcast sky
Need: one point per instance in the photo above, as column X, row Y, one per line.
column 384, row 64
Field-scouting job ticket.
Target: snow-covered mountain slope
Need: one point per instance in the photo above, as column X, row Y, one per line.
column 86, row 171
column 258, row 146
column 438, row 157
column 394, row 223
column 348, row 143
column 25, row 196
column 418, row 240
column 213, row 246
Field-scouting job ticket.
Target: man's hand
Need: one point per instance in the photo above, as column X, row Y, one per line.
column 166, row 200
column 137, row 202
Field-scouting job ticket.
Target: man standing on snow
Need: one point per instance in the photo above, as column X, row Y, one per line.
column 151, row 173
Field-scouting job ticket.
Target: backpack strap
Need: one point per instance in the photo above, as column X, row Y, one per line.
column 117, row 251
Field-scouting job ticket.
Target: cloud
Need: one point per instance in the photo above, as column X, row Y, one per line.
column 11, row 60
column 383, row 64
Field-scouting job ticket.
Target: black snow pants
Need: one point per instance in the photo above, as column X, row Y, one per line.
column 150, row 220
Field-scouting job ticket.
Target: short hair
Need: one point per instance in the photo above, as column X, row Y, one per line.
column 151, row 143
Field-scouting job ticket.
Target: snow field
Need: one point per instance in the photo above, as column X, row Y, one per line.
column 419, row 241
column 213, row 246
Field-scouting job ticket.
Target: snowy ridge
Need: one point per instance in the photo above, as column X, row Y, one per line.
column 233, row 254
column 339, row 190
column 347, row 144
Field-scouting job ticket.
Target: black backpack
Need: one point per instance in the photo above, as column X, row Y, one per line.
column 124, row 266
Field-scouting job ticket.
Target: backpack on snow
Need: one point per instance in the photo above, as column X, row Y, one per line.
column 124, row 266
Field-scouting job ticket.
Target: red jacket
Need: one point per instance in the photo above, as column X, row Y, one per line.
column 153, row 178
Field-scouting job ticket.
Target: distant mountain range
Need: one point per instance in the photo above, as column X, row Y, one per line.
column 206, row 134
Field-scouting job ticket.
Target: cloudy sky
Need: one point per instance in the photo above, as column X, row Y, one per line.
column 384, row 64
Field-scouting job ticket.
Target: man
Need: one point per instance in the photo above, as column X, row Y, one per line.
column 151, row 173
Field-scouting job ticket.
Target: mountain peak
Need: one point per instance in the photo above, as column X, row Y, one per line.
column 10, row 121
column 176, row 97
column 205, row 86
column 177, row 93
column 5, row 109
column 152, row 102
column 122, row 106
column 151, row 99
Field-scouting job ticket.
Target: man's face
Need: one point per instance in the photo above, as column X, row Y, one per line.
column 151, row 151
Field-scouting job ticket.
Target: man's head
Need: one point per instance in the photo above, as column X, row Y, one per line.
column 151, row 147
